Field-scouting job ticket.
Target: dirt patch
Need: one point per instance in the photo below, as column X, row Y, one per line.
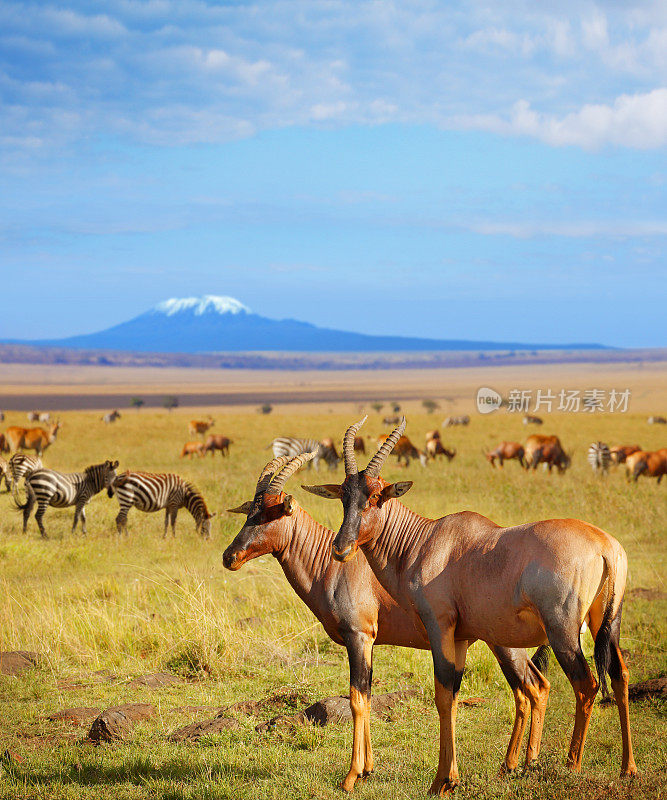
column 195, row 731
column 157, row 680
column 76, row 716
column 654, row 687
column 641, row 593
column 16, row 662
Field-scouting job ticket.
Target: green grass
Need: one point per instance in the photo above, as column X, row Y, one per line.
column 144, row 604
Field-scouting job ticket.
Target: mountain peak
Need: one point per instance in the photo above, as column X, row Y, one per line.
column 208, row 304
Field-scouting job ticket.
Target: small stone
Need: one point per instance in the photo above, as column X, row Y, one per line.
column 16, row 662
column 117, row 722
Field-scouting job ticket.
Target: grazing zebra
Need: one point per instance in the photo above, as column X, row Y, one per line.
column 599, row 457
column 462, row 420
column 150, row 492
column 112, row 416
column 291, row 447
column 21, row 465
column 657, row 421
column 46, row 487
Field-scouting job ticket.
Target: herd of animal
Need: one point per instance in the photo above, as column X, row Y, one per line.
column 390, row 576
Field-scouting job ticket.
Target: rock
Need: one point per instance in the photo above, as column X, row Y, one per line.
column 157, row 680
column 117, row 722
column 194, row 732
column 18, row 661
column 654, row 687
column 77, row 716
column 332, row 710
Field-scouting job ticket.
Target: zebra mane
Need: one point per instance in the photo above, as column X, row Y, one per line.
column 193, row 493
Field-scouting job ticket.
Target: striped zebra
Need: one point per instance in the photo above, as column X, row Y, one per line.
column 46, row 487
column 150, row 492
column 599, row 457
column 21, row 465
column 291, row 447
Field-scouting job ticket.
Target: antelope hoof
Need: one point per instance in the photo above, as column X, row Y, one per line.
column 629, row 772
column 505, row 770
column 348, row 784
column 441, row 787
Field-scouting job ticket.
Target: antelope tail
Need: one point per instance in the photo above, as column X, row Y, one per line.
column 603, row 641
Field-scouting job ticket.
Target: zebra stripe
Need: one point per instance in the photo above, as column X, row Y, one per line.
column 46, row 487
column 292, row 447
column 599, row 457
column 151, row 492
column 21, row 465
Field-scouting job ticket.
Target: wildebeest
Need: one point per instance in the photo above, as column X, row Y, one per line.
column 657, row 421
column 620, row 452
column 434, row 447
column 547, row 450
column 405, row 450
column 214, row 441
column 505, row 451
column 468, row 578
column 653, row 465
column 36, row 439
column 192, row 449
column 198, row 426
column 111, row 417
column 530, row 419
column 462, row 420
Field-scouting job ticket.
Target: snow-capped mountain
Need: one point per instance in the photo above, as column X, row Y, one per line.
column 223, row 324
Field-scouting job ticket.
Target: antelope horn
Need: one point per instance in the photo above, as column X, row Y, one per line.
column 375, row 464
column 280, row 478
column 351, row 467
column 267, row 473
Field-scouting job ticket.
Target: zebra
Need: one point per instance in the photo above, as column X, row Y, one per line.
column 111, row 417
column 21, row 465
column 599, row 457
column 150, row 492
column 291, row 447
column 46, row 487
column 462, row 420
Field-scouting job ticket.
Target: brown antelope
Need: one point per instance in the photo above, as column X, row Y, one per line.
column 546, row 450
column 5, row 474
column 620, row 452
column 468, row 578
column 216, row 442
column 359, row 445
column 36, row 439
column 351, row 604
column 434, row 447
column 192, row 449
column 434, row 434
column 653, row 465
column 406, row 450
column 505, row 451
column 197, row 426
column 631, row 462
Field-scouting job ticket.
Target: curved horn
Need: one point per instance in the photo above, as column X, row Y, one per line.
column 348, row 447
column 267, row 473
column 375, row 464
column 280, row 478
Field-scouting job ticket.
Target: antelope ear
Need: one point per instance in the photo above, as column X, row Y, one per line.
column 395, row 489
column 244, row 508
column 330, row 491
column 289, row 504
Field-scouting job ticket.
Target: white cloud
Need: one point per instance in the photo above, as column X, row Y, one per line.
column 638, row 121
column 576, row 230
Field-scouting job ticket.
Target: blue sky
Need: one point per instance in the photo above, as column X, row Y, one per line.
column 456, row 170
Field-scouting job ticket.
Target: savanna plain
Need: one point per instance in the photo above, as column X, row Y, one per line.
column 102, row 611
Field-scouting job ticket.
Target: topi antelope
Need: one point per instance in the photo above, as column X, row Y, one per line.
column 620, row 452
column 546, row 450
column 468, row 578
column 505, row 451
column 405, row 450
column 653, row 465
column 348, row 600
column 214, row 441
column 434, row 447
